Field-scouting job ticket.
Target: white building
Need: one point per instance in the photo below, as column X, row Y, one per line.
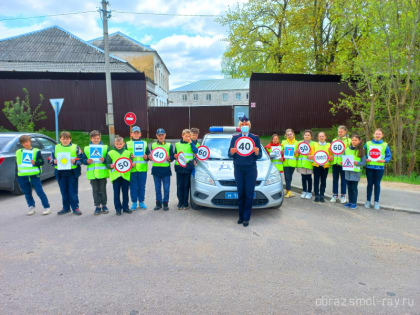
column 216, row 92
column 145, row 59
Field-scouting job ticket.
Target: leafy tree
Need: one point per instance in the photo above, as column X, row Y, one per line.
column 20, row 113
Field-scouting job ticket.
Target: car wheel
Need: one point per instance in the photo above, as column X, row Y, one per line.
column 193, row 205
column 16, row 188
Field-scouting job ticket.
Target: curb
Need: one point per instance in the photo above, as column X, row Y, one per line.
column 383, row 207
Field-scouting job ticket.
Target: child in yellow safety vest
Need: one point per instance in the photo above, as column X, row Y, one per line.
column 305, row 167
column 120, row 181
column 337, row 169
column 289, row 146
column 357, row 153
column 184, row 170
column 67, row 158
column 321, row 155
column 139, row 153
column 276, row 156
column 29, row 161
column 377, row 155
column 94, row 157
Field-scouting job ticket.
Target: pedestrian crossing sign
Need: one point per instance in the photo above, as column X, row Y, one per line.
column 27, row 157
column 95, row 152
column 348, row 162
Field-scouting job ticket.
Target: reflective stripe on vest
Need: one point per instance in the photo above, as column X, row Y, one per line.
column 61, row 149
column 318, row 147
column 24, row 169
column 96, row 170
column 347, row 143
column 186, row 149
column 114, row 155
column 382, row 147
column 167, row 147
column 356, row 158
column 140, row 165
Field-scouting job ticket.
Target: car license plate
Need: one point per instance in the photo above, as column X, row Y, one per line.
column 234, row 195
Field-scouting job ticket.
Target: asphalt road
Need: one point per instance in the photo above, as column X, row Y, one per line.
column 302, row 258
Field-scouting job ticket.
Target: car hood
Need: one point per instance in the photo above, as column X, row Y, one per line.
column 223, row 170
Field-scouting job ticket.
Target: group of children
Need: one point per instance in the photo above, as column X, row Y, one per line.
column 100, row 161
column 291, row 158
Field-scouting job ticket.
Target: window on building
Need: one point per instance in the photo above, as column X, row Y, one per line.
column 238, row 96
column 195, row 96
column 184, row 97
column 208, row 97
column 225, row 97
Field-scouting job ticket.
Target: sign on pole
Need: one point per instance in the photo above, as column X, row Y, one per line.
column 56, row 104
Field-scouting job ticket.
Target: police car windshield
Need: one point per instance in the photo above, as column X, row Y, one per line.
column 219, row 148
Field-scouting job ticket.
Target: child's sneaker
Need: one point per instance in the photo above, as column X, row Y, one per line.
column 347, row 205
column 105, row 210
column 291, row 194
column 343, row 199
column 46, row 211
column 316, row 199
column 97, row 211
column 142, row 205
column 158, row 206
column 367, row 204
column 321, row 199
column 77, row 212
column 286, row 195
column 165, row 206
column 308, row 195
column 31, row 210
column 118, row 212
column 303, row 195
column 333, row 198
column 127, row 211
column 134, row 206
column 353, row 206
column 61, row 212
column 377, row 206
column 180, row 208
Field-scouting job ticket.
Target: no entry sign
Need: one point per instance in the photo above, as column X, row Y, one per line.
column 321, row 157
column 130, row 119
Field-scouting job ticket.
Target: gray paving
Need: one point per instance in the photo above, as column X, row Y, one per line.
column 303, row 258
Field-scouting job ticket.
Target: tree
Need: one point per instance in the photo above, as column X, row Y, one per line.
column 20, row 113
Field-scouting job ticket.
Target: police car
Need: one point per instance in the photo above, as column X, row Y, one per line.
column 213, row 184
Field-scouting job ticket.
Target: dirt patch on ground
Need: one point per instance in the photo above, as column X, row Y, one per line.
column 398, row 186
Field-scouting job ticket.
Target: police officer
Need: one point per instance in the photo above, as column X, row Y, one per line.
column 245, row 171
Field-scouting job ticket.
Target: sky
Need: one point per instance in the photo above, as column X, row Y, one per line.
column 191, row 47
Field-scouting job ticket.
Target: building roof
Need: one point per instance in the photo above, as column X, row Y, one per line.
column 214, row 85
column 120, row 42
column 55, row 49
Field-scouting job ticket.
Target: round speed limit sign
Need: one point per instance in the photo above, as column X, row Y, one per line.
column 321, row 157
column 203, row 153
column 182, row 161
column 304, row 148
column 159, row 155
column 123, row 165
column 337, row 147
column 244, row 146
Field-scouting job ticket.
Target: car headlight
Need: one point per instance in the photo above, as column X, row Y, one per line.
column 274, row 177
column 202, row 177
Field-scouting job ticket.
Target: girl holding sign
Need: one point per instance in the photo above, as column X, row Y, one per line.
column 320, row 154
column 338, row 146
column 352, row 162
column 378, row 153
column 274, row 151
column 289, row 149
column 184, row 165
column 304, row 164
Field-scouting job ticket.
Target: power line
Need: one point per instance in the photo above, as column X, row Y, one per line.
column 115, row 11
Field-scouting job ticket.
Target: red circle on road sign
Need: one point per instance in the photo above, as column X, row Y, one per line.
column 183, row 161
column 337, row 147
column 304, row 148
column 162, row 155
column 374, row 153
column 130, row 118
column 321, row 153
column 126, row 165
column 203, row 153
column 244, row 141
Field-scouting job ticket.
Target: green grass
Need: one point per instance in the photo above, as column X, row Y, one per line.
column 412, row 179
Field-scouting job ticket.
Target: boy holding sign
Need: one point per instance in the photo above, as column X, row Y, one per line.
column 184, row 165
column 352, row 162
column 29, row 161
column 378, row 153
column 162, row 155
column 67, row 157
column 320, row 154
column 289, row 147
column 120, row 174
column 97, row 172
column 139, row 152
column 304, row 164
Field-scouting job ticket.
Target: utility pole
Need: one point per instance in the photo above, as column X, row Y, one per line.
column 105, row 14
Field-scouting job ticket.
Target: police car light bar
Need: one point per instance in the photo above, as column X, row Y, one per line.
column 224, row 129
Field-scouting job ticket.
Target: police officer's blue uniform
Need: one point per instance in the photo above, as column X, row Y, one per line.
column 245, row 172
